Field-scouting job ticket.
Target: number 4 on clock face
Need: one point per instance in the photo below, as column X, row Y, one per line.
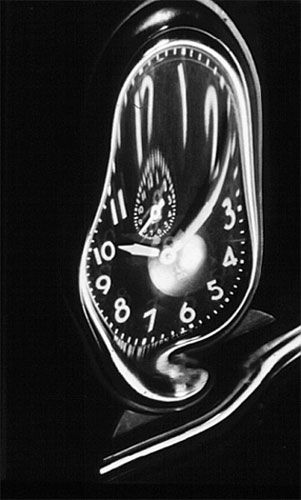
column 229, row 258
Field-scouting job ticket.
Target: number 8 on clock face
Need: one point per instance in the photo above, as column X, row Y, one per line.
column 172, row 255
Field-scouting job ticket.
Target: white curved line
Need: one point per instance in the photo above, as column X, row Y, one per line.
column 183, row 101
column 265, row 369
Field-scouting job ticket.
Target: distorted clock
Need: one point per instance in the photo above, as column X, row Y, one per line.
column 173, row 255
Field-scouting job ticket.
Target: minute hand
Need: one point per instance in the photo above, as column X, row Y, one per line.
column 155, row 215
column 138, row 249
column 206, row 211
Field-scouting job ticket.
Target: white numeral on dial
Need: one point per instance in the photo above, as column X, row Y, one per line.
column 187, row 313
column 107, row 252
column 103, row 283
column 97, row 256
column 217, row 290
column 122, row 204
column 152, row 317
column 229, row 258
column 122, row 208
column 122, row 310
column 227, row 204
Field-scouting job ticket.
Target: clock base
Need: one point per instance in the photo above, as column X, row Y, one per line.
column 255, row 353
column 131, row 420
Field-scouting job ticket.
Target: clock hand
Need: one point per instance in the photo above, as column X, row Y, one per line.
column 146, row 214
column 138, row 249
column 149, row 221
column 180, row 240
column 155, row 215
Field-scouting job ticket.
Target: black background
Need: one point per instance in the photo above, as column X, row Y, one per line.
column 56, row 417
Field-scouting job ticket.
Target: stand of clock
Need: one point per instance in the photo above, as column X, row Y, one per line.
column 173, row 256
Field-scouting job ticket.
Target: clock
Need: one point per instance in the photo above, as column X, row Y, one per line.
column 172, row 258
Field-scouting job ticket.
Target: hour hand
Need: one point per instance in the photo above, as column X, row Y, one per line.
column 142, row 250
column 155, row 215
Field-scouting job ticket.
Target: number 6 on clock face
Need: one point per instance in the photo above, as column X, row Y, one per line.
column 173, row 255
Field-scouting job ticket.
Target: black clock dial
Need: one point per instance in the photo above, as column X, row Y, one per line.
column 170, row 255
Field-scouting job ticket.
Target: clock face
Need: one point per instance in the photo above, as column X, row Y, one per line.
column 155, row 206
column 170, row 255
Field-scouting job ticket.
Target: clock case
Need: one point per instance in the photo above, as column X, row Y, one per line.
column 150, row 23
column 256, row 350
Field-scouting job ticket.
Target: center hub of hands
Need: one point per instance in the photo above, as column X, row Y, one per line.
column 175, row 272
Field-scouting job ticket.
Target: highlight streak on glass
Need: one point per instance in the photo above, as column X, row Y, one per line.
column 183, row 101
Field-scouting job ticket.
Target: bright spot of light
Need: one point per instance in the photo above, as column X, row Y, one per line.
column 193, row 254
column 161, row 16
column 181, row 272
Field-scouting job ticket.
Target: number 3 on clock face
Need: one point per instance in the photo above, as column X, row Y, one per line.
column 173, row 254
